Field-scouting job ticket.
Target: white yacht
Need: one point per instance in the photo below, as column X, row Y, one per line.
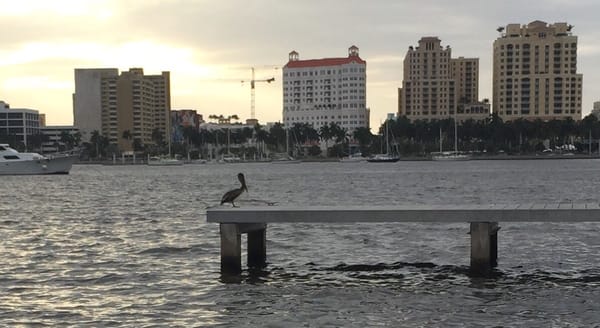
column 14, row 163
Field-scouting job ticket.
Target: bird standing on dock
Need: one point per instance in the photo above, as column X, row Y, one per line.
column 231, row 195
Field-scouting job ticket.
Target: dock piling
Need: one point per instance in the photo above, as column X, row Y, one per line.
column 231, row 249
column 231, row 246
column 257, row 248
column 484, row 247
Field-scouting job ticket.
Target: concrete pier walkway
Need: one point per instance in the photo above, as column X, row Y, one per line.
column 483, row 220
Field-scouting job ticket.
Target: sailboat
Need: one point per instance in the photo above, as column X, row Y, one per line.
column 449, row 155
column 388, row 157
column 287, row 159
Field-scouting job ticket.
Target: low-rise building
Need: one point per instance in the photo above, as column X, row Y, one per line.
column 182, row 119
column 53, row 136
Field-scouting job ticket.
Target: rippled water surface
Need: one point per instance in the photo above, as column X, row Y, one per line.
column 129, row 246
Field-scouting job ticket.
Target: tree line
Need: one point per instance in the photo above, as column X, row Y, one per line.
column 519, row 136
column 408, row 138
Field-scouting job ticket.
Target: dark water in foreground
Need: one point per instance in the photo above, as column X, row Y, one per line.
column 129, row 246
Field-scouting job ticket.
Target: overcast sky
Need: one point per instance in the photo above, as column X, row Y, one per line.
column 209, row 46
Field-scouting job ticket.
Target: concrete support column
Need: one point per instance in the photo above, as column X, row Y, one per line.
column 231, row 249
column 494, row 244
column 257, row 248
column 484, row 247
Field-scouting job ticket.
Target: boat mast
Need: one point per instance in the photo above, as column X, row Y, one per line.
column 169, row 132
column 455, row 136
column 440, row 137
column 387, row 138
column 287, row 142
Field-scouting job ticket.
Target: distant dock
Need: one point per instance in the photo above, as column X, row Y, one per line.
column 483, row 220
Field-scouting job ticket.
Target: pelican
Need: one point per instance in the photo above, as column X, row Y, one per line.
column 231, row 195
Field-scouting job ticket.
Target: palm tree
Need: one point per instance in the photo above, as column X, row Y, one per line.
column 276, row 136
column 95, row 140
column 35, row 141
column 337, row 132
column 67, row 139
column 158, row 137
column 364, row 137
column 325, row 134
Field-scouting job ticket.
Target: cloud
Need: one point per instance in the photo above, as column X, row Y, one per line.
column 209, row 45
column 96, row 8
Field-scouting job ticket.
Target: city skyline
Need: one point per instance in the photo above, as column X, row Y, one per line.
column 209, row 48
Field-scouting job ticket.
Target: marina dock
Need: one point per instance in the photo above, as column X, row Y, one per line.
column 483, row 220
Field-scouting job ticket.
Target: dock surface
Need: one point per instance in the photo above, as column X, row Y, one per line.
column 555, row 212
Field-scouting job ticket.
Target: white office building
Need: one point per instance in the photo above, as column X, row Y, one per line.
column 321, row 91
column 18, row 122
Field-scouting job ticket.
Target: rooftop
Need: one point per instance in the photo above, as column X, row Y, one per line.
column 324, row 62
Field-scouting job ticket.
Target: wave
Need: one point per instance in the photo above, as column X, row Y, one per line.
column 165, row 250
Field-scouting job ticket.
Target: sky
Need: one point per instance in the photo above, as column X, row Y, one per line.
column 210, row 46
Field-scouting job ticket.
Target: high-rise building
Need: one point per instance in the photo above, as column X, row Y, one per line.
column 87, row 99
column 465, row 72
column 596, row 109
column 436, row 86
column 324, row 91
column 535, row 72
column 131, row 105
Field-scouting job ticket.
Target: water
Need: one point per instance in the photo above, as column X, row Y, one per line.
column 129, row 247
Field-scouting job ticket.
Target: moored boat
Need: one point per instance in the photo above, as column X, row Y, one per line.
column 450, row 156
column 13, row 162
column 164, row 161
column 383, row 158
column 388, row 157
column 286, row 160
column 354, row 158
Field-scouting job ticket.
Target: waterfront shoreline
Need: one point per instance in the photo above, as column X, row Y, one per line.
column 405, row 159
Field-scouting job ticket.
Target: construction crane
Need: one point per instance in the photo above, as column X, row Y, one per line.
column 252, row 92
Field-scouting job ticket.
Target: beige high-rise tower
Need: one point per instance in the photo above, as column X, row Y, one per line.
column 131, row 101
column 535, row 72
column 436, row 86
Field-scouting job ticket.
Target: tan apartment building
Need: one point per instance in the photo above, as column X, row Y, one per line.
column 535, row 72
column 87, row 99
column 129, row 101
column 436, row 86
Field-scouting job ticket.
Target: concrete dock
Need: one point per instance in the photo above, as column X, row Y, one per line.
column 483, row 220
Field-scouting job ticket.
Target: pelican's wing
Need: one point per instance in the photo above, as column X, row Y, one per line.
column 226, row 197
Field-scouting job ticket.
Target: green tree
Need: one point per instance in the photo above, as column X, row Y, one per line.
column 67, row 139
column 127, row 136
column 277, row 137
column 325, row 134
column 35, row 141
